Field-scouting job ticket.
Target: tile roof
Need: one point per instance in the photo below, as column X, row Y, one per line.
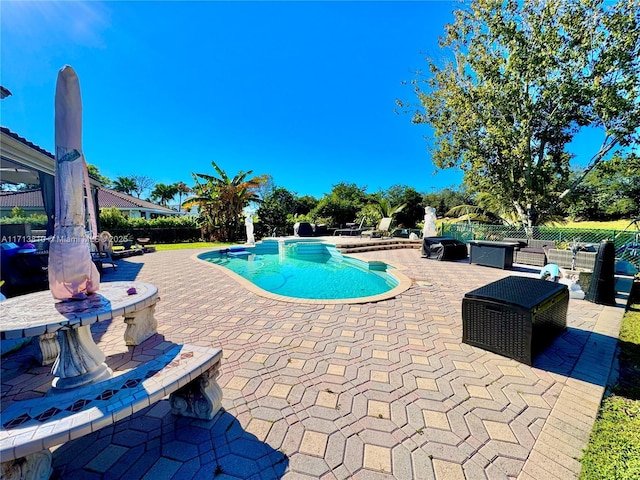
column 111, row 198
column 26, row 142
column 106, row 198
column 31, row 198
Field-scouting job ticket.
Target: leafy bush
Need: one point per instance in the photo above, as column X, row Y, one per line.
column 111, row 219
column 18, row 212
column 159, row 230
column 37, row 221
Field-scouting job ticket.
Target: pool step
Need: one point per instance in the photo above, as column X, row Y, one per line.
column 374, row 245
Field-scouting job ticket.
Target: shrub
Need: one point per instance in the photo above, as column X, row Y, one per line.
column 37, row 221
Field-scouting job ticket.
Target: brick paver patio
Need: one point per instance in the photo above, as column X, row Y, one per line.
column 365, row 391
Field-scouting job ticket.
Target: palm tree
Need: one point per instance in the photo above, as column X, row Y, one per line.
column 470, row 213
column 181, row 189
column 388, row 210
column 221, row 200
column 125, row 185
column 163, row 193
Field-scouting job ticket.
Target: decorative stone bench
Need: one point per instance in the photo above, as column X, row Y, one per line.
column 29, row 428
column 38, row 315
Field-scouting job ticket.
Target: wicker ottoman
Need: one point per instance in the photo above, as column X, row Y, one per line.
column 516, row 316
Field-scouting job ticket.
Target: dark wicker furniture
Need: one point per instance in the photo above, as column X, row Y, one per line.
column 516, row 316
column 531, row 251
column 443, row 248
column 531, row 256
column 492, row 254
column 564, row 258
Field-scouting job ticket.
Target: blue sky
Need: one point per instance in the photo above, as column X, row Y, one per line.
column 303, row 91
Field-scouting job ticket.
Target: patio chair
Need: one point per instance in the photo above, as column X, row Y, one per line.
column 352, row 229
column 105, row 250
column 383, row 227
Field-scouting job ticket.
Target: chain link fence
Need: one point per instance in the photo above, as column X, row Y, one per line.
column 627, row 241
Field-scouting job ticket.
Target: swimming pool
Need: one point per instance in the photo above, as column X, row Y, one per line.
column 309, row 270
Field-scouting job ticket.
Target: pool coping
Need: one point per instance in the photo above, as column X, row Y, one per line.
column 404, row 283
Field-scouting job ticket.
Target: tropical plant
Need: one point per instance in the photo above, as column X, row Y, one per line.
column 471, row 213
column 163, row 193
column 523, row 78
column 181, row 189
column 124, row 184
column 445, row 199
column 221, row 201
column 38, row 221
column 386, row 209
column 17, row 212
column 112, row 218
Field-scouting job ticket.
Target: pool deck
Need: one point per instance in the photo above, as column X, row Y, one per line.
column 382, row 390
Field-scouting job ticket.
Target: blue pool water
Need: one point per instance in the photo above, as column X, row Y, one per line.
column 305, row 270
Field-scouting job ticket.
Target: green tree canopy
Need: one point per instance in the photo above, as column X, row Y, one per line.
column 305, row 204
column 445, row 199
column 522, row 79
column 342, row 205
column 413, row 212
column 95, row 173
column 610, row 192
column 275, row 211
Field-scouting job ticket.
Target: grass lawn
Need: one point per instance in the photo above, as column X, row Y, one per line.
column 613, row 451
column 612, row 225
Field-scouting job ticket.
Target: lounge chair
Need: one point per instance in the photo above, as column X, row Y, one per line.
column 352, row 229
column 383, row 227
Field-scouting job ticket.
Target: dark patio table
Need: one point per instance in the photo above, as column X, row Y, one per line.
column 492, row 254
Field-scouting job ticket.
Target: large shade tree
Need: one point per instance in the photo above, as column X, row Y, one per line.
column 414, row 210
column 610, row 192
column 221, row 201
column 276, row 211
column 522, row 78
column 341, row 205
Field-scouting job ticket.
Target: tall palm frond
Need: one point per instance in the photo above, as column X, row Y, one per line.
column 387, row 209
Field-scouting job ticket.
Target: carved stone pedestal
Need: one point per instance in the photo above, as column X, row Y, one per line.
column 201, row 398
column 35, row 466
column 140, row 326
